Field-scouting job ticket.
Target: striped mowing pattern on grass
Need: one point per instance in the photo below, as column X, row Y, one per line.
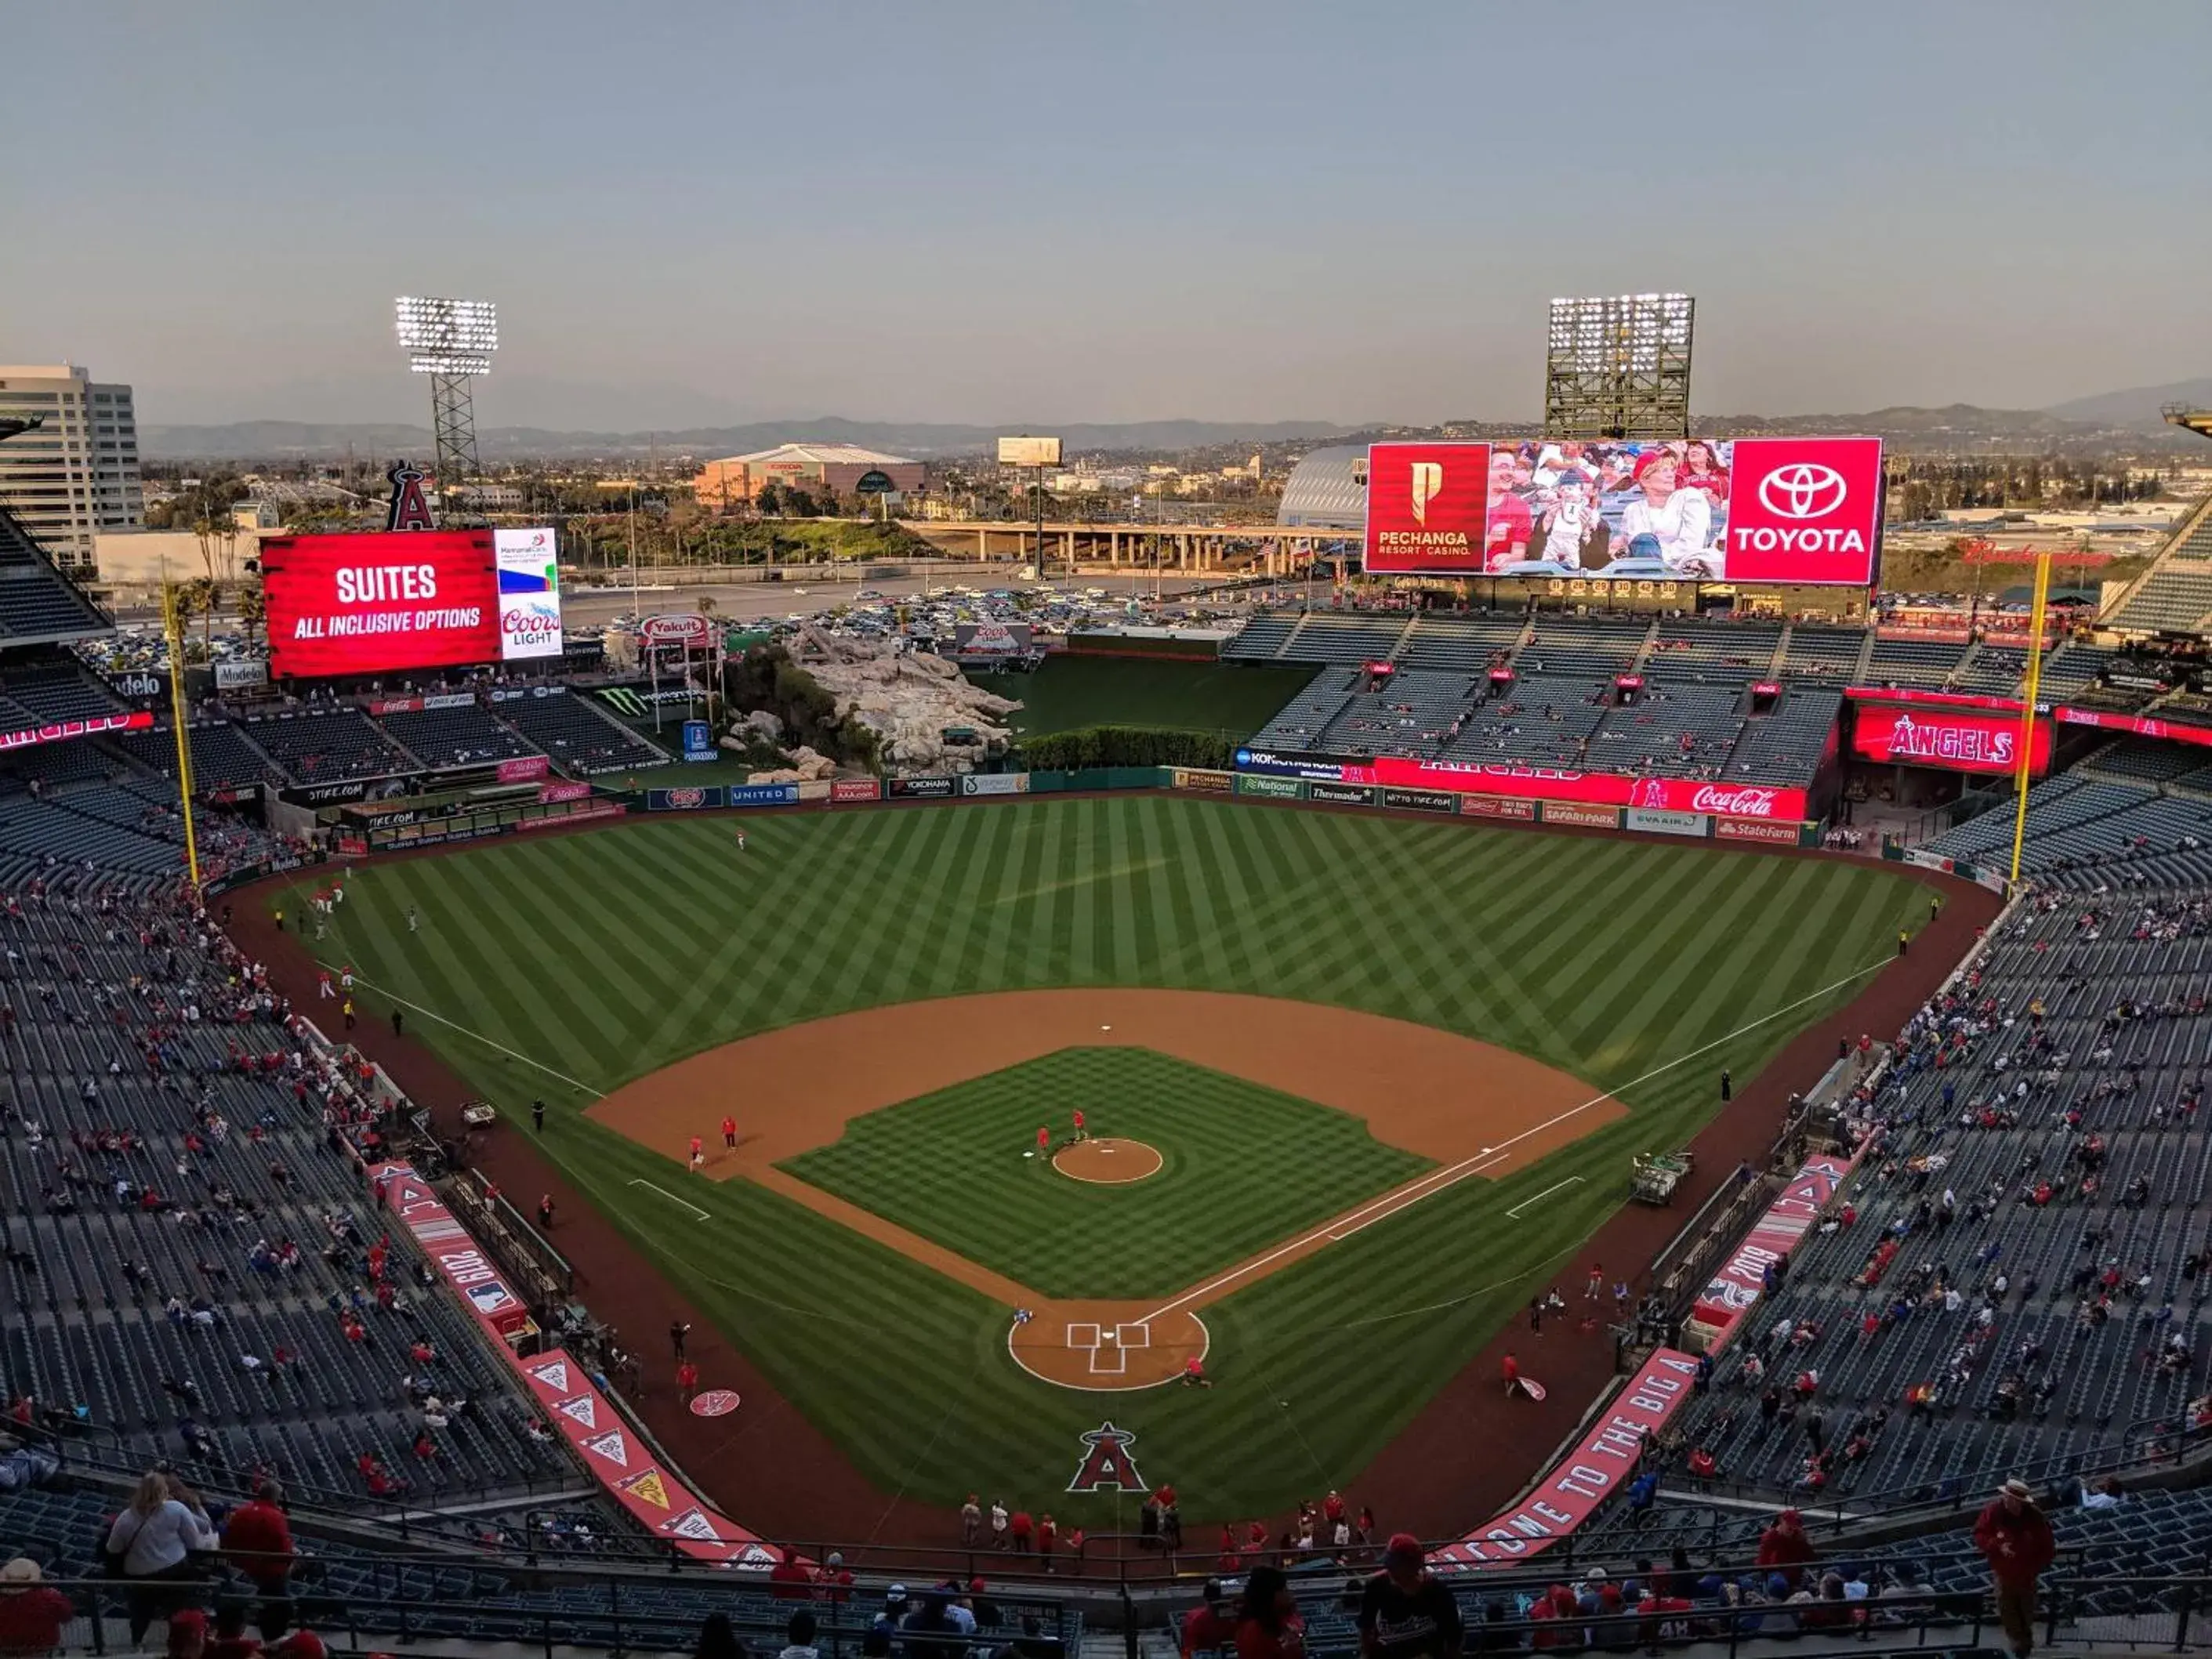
column 607, row 955
column 1245, row 1167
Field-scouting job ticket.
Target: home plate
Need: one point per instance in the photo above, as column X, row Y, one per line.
column 1105, row 1028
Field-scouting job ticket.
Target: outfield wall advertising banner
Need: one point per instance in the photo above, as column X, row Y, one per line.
column 529, row 593
column 372, row 604
column 1653, row 822
column 1736, row 1285
column 1497, row 807
column 1947, row 738
column 1579, row 816
column 761, row 794
column 684, row 800
column 1420, row 800
column 1759, row 829
column 1201, row 779
column 1254, row 783
column 855, row 789
column 1342, row 795
column 995, row 783
column 1788, row 510
column 563, row 791
column 524, row 769
column 1291, row 763
column 922, row 788
column 1602, row 1462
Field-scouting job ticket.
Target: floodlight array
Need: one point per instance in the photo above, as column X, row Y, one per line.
column 448, row 336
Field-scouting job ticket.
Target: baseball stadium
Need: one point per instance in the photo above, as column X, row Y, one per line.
column 1636, row 1109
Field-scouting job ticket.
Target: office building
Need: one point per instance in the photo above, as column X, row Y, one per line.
column 77, row 475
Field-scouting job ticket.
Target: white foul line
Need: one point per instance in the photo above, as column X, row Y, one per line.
column 477, row 1036
column 672, row 1197
column 1437, row 1180
column 1556, row 1186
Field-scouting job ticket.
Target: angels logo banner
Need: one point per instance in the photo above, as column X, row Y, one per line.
column 1795, row 1208
column 1108, row 1464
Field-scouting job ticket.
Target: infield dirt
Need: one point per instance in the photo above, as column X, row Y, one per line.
column 1474, row 1109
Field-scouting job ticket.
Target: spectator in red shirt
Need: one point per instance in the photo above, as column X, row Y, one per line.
column 687, row 1381
column 789, row 1580
column 1268, row 1622
column 1784, row 1545
column 1208, row 1625
column 258, row 1541
column 32, row 1613
column 1047, row 1538
column 1024, row 1531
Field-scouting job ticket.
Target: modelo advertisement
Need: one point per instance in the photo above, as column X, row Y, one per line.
column 1797, row 510
column 1948, row 739
column 529, row 593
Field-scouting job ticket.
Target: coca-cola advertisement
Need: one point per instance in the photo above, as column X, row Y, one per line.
column 1742, row 800
column 1948, row 739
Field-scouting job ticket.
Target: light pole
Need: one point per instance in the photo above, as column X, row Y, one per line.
column 451, row 341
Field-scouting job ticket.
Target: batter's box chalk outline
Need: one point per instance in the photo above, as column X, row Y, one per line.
column 1083, row 1336
column 1135, row 1334
column 1120, row 1366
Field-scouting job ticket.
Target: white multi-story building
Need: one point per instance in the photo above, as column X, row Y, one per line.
column 77, row 475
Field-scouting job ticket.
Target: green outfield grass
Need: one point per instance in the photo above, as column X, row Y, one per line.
column 1244, row 1168
column 1073, row 691
column 1642, row 969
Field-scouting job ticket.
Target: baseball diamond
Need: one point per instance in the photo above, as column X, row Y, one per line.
column 1357, row 1044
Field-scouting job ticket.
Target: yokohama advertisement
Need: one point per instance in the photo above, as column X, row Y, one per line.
column 1779, row 1231
column 1947, row 738
column 1603, row 1462
column 376, row 604
column 1797, row 510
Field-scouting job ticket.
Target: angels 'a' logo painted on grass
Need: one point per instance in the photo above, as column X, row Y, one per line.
column 716, row 1402
column 1107, row 1465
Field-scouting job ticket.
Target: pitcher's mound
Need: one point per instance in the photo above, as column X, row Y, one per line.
column 1107, row 1163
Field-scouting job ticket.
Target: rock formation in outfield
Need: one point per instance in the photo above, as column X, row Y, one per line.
column 910, row 699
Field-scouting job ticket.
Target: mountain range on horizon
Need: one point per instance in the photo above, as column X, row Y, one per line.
column 2128, row 417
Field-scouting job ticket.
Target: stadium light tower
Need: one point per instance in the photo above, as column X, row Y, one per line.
column 1619, row 367
column 452, row 342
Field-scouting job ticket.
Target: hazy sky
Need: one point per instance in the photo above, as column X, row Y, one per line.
column 1015, row 212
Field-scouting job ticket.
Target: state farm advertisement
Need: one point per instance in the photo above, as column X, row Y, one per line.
column 1948, row 739
column 377, row 602
column 1799, row 510
column 1428, row 508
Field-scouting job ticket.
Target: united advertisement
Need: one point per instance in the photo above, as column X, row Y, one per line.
column 1793, row 510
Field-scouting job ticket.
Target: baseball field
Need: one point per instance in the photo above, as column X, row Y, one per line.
column 1353, row 1088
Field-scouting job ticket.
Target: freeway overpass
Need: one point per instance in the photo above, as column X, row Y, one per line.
column 1265, row 549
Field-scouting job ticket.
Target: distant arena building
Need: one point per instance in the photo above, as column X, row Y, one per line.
column 833, row 468
column 1326, row 490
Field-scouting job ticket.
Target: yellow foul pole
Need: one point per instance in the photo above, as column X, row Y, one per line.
column 2028, row 711
column 173, row 627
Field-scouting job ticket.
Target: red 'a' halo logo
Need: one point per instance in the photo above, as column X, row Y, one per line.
column 1107, row 1463
column 408, row 508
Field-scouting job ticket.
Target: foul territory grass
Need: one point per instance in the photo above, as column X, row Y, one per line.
column 1244, row 1167
column 605, row 955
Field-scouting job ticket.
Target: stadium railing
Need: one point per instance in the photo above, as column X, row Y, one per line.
column 629, row 1614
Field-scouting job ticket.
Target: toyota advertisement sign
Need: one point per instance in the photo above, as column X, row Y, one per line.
column 1949, row 739
column 383, row 601
column 1791, row 510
